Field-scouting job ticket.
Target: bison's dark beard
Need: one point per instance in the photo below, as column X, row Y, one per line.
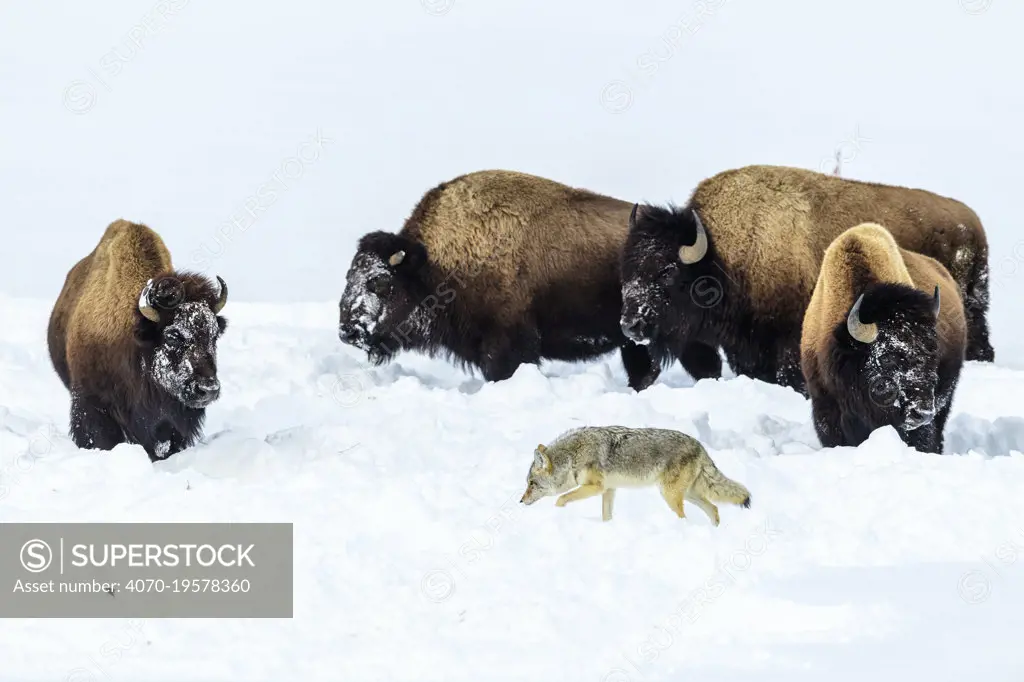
column 380, row 350
column 379, row 356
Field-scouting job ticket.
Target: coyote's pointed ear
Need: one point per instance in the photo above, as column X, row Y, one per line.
column 541, row 461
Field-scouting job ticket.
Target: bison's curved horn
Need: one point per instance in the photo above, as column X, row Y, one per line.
column 396, row 258
column 691, row 254
column 935, row 302
column 865, row 333
column 222, row 298
column 145, row 307
column 632, row 216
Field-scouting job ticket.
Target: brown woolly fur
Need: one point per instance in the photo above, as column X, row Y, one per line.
column 767, row 217
column 498, row 268
column 514, row 234
column 906, row 376
column 104, row 350
column 767, row 229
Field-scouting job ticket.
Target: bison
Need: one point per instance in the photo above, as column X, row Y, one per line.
column 883, row 341
column 494, row 269
column 735, row 267
column 134, row 342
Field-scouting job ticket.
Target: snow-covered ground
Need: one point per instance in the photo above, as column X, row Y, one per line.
column 414, row 560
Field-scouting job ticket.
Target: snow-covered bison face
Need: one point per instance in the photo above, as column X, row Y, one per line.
column 381, row 294
column 896, row 340
column 180, row 336
column 661, row 261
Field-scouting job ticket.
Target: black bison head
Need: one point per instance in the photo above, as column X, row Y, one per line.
column 177, row 330
column 383, row 288
column 665, row 268
column 888, row 347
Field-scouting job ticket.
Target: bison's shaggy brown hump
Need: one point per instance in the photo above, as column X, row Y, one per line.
column 97, row 306
column 863, row 255
column 774, row 223
column 860, row 256
column 511, row 235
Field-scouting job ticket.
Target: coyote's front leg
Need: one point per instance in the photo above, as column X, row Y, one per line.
column 583, row 492
column 607, row 500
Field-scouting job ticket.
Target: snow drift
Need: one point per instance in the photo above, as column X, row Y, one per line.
column 414, row 560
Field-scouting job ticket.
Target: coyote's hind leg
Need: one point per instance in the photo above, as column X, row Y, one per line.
column 707, row 507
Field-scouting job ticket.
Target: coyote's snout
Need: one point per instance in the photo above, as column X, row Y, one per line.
column 591, row 461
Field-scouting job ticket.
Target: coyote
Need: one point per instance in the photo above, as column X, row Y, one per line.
column 600, row 459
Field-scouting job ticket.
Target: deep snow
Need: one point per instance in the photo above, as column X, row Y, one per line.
column 414, row 560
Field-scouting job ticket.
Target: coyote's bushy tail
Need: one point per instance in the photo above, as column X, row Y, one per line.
column 716, row 487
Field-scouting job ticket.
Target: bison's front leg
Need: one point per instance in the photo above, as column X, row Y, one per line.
column 754, row 362
column 772, row 363
column 788, row 371
column 92, row 426
column 502, row 354
column 827, row 421
column 855, row 431
column 701, row 361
